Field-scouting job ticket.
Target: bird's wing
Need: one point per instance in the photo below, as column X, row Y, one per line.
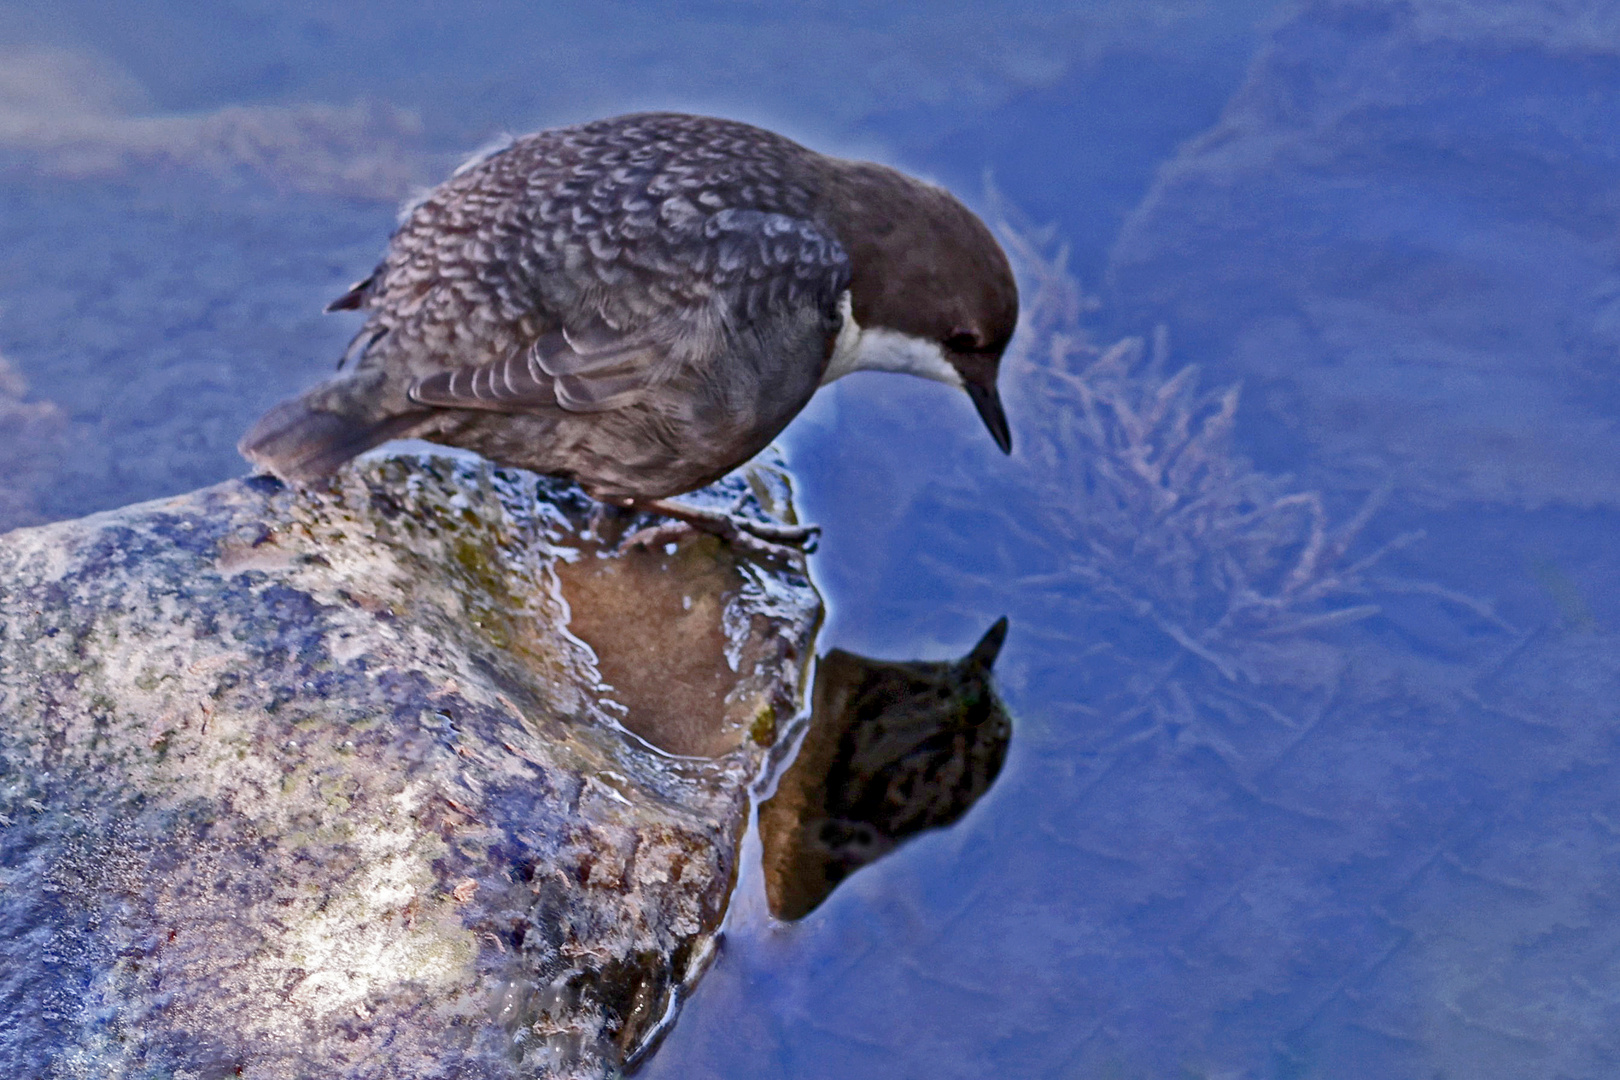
column 521, row 381
column 667, row 313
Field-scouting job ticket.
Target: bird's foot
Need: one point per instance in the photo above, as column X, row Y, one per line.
column 764, row 538
column 665, row 532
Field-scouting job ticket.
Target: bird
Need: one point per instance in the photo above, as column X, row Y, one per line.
column 893, row 748
column 642, row 303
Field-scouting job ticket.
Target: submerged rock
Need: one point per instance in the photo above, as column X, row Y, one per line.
column 33, row 438
column 331, row 785
column 1400, row 237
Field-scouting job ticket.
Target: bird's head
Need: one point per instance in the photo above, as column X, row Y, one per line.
column 930, row 289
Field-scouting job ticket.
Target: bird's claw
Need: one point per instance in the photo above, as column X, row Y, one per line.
column 803, row 537
column 765, row 538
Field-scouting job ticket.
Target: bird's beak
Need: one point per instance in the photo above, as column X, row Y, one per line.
column 988, row 402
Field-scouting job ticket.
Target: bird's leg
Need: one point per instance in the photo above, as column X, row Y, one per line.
column 652, row 536
column 759, row 536
column 728, row 526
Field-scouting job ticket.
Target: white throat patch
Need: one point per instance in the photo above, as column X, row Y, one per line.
column 878, row 349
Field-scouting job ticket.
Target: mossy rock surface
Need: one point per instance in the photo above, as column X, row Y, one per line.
column 326, row 783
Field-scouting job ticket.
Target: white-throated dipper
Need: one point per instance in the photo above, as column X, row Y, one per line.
column 643, row 303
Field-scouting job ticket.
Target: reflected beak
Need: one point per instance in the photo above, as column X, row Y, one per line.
column 989, row 647
column 988, row 402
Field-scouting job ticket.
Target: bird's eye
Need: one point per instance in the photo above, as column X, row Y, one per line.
column 963, row 341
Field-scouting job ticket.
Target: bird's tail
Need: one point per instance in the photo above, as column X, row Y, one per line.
column 307, row 437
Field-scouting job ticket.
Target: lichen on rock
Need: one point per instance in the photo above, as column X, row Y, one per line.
column 327, row 783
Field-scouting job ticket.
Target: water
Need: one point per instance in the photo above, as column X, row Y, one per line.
column 1313, row 772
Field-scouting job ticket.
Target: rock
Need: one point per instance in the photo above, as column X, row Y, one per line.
column 330, row 784
column 1401, row 237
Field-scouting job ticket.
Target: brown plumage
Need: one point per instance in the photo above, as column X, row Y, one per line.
column 643, row 303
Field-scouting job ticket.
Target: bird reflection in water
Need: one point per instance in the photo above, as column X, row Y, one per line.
column 893, row 748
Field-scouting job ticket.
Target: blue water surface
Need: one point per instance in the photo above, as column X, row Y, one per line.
column 1307, row 543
